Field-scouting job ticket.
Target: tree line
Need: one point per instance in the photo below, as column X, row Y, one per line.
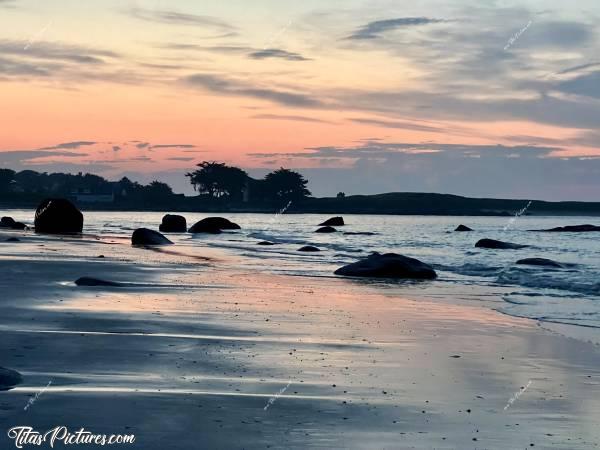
column 215, row 183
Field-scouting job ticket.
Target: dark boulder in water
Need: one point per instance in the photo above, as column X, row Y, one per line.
column 333, row 222
column 389, row 265
column 265, row 243
column 146, row 237
column 88, row 281
column 573, row 229
column 326, row 230
column 462, row 227
column 9, row 378
column 213, row 225
column 172, row 223
column 58, row 216
column 539, row 262
column 359, row 233
column 309, row 248
column 13, row 239
column 7, row 222
column 492, row 243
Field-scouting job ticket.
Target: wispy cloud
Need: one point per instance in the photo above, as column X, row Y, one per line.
column 406, row 125
column 159, row 146
column 374, row 30
column 70, row 145
column 178, row 18
column 290, row 118
column 277, row 53
column 227, row 86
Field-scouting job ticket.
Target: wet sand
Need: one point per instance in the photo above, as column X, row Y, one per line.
column 193, row 353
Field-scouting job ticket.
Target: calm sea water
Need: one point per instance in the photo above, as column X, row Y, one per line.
column 569, row 295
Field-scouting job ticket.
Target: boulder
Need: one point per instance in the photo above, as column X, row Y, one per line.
column 265, row 243
column 7, row 222
column 13, row 239
column 88, row 281
column 462, row 227
column 172, row 223
column 573, row 229
column 213, row 225
column 309, row 248
column 9, row 378
column 539, row 262
column 359, row 233
column 333, row 222
column 492, row 243
column 326, row 230
column 58, row 215
column 389, row 265
column 146, row 237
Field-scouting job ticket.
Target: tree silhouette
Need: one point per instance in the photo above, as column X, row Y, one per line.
column 218, row 180
column 286, row 185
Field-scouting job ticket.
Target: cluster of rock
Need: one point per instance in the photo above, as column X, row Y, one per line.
column 9, row 222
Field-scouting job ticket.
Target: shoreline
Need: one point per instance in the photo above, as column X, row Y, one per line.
column 204, row 347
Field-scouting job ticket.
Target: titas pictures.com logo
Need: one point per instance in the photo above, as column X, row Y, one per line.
column 25, row 436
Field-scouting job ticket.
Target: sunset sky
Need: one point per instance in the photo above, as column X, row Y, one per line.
column 480, row 98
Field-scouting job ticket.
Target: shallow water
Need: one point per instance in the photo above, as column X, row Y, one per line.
column 568, row 295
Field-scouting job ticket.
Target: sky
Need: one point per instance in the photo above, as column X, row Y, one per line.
column 481, row 98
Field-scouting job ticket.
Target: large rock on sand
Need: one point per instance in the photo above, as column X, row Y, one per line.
column 58, row 215
column 573, row 229
column 326, row 230
column 492, row 243
column 213, row 225
column 333, row 222
column 539, row 262
column 9, row 378
column 146, row 237
column 389, row 265
column 172, row 223
column 462, row 227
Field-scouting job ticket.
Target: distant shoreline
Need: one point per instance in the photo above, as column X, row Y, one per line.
column 402, row 204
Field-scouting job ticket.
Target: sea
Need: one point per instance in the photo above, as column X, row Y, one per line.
column 569, row 295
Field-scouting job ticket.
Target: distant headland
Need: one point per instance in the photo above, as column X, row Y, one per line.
column 230, row 189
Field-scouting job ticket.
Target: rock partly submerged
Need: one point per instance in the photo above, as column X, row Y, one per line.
column 492, row 243
column 326, row 230
column 462, row 227
column 58, row 216
column 388, row 265
column 173, row 223
column 147, row 237
column 333, row 222
column 89, row 281
column 9, row 222
column 213, row 225
column 309, row 248
column 572, row 229
column 265, row 243
column 9, row 378
column 359, row 233
column 539, row 262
